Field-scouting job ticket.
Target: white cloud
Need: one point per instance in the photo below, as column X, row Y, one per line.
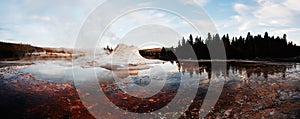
column 198, row 2
column 245, row 26
column 243, row 17
column 293, row 5
column 266, row 14
column 278, row 17
column 201, row 2
column 145, row 4
column 41, row 18
column 51, row 23
column 237, row 18
column 241, row 8
column 284, row 31
column 159, row 15
column 270, row 13
column 139, row 18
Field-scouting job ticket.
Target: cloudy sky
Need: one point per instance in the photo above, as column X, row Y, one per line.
column 56, row 23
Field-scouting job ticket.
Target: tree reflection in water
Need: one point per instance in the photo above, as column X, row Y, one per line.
column 194, row 68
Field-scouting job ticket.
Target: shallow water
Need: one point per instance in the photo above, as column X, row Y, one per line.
column 59, row 71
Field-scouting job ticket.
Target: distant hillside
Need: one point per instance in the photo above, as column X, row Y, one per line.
column 15, row 51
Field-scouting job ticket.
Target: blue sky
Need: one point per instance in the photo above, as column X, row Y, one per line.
column 56, row 23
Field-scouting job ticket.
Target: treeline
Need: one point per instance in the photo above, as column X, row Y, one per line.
column 249, row 47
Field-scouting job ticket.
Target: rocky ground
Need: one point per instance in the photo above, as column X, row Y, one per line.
column 22, row 95
column 256, row 99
